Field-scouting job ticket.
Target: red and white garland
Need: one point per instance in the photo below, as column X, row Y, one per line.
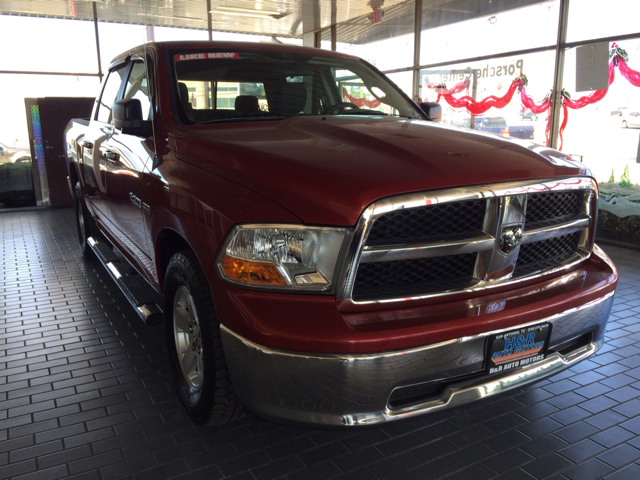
column 619, row 59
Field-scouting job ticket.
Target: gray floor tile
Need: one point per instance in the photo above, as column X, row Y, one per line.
column 76, row 403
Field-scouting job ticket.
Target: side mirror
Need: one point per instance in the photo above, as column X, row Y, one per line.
column 433, row 110
column 127, row 117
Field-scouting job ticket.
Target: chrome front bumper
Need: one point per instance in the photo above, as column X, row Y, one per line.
column 344, row 390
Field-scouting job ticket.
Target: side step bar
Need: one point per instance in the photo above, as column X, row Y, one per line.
column 138, row 292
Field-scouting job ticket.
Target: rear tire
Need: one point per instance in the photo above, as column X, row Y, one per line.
column 84, row 222
column 201, row 377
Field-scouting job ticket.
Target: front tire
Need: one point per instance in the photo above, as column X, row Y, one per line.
column 84, row 222
column 201, row 377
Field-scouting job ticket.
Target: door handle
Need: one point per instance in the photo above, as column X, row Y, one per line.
column 111, row 155
column 85, row 144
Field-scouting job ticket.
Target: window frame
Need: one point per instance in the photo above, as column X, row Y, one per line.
column 99, row 103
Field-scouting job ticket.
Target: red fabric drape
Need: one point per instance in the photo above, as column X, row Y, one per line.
column 475, row 107
column 594, row 97
column 528, row 102
column 631, row 75
column 361, row 102
column 457, row 88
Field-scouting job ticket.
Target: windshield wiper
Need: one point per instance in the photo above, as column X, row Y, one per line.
column 246, row 118
column 363, row 111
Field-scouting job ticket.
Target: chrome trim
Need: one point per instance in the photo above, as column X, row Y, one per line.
column 358, row 253
column 354, row 389
column 559, row 230
column 115, row 272
column 427, row 250
column 478, row 285
column 494, row 265
column 147, row 310
column 456, row 396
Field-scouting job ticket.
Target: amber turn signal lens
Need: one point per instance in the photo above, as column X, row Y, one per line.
column 255, row 272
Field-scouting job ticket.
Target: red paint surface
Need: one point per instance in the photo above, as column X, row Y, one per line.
column 315, row 324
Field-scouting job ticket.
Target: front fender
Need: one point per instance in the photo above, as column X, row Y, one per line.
column 202, row 208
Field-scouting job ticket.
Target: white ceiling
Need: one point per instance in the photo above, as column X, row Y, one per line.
column 288, row 18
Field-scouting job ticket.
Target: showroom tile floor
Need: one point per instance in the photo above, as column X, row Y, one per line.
column 85, row 393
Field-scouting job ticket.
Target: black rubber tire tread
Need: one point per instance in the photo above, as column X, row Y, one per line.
column 88, row 221
column 217, row 402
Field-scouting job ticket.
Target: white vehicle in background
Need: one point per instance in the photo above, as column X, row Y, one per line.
column 630, row 118
column 14, row 154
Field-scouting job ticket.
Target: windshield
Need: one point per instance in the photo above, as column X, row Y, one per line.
column 217, row 85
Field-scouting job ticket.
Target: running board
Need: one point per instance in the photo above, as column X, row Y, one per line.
column 137, row 291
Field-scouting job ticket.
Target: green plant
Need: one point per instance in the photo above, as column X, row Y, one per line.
column 620, row 229
column 612, row 179
column 625, row 180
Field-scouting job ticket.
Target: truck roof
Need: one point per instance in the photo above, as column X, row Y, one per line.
column 195, row 44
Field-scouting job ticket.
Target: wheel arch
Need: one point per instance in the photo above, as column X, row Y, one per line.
column 73, row 175
column 169, row 243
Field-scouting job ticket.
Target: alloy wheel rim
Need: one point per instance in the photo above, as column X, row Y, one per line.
column 186, row 332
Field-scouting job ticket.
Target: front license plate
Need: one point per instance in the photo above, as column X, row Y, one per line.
column 518, row 348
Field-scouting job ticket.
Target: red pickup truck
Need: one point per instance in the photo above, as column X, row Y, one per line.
column 319, row 248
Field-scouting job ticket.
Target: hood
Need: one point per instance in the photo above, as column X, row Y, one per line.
column 327, row 170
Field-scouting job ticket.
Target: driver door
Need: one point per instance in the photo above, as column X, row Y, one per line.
column 93, row 163
column 129, row 157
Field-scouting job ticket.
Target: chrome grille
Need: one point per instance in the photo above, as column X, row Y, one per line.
column 429, row 223
column 553, row 207
column 544, row 254
column 438, row 243
column 413, row 277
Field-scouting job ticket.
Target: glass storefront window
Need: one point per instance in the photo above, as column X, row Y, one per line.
column 387, row 44
column 116, row 38
column 494, row 77
column 47, row 45
column 594, row 19
column 168, row 34
column 465, row 32
column 404, row 81
column 605, row 136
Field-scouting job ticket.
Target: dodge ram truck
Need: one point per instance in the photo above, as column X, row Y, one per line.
column 323, row 259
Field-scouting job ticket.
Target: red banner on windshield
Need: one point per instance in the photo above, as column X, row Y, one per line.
column 204, row 56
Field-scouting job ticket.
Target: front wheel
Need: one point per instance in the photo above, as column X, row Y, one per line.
column 201, row 377
column 83, row 222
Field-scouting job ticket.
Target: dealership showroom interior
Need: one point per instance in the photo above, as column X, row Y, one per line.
column 314, row 239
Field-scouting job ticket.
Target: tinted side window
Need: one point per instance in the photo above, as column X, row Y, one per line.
column 137, row 87
column 114, row 80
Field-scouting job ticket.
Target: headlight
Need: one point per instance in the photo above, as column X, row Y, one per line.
column 282, row 256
